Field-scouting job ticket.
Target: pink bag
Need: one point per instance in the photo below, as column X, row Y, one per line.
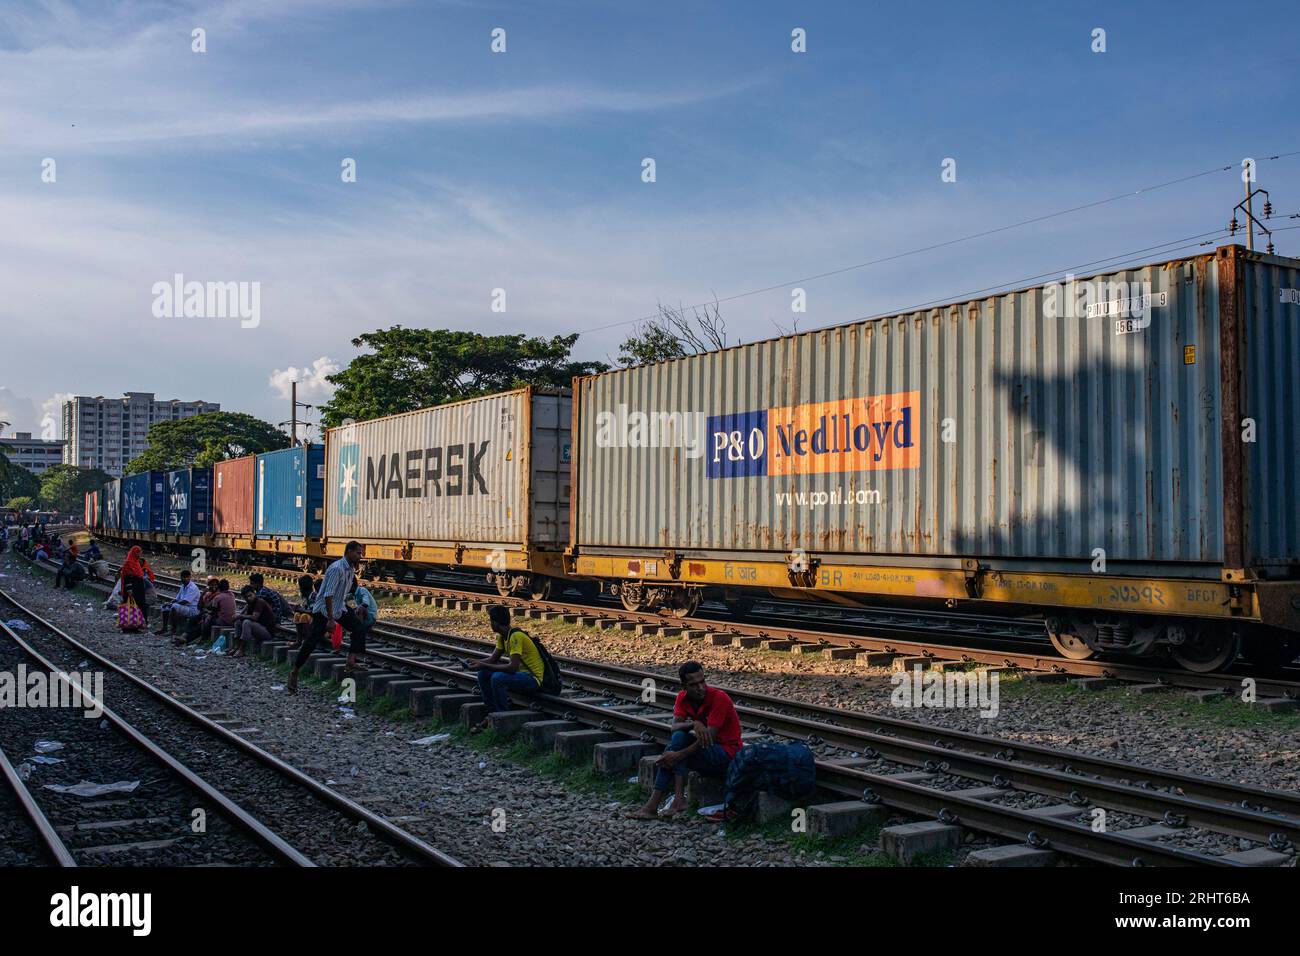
column 336, row 636
column 129, row 616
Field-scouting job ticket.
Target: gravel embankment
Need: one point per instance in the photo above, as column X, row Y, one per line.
column 445, row 793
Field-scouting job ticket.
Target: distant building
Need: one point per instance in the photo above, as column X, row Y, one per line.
column 34, row 454
column 107, row 433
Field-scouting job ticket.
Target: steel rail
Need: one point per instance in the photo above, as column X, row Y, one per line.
column 53, row 843
column 390, row 833
column 229, row 808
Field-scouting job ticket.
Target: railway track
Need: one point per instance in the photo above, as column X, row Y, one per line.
column 1040, row 796
column 897, row 644
column 256, row 809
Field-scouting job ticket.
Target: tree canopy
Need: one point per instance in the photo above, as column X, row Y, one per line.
column 23, row 503
column 206, row 439
column 15, row 480
column 675, row 333
column 64, row 487
column 408, row 369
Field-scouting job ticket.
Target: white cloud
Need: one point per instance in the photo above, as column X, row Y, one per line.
column 52, row 415
column 312, row 386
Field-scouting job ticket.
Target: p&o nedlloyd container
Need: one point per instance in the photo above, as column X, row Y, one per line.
column 1125, row 441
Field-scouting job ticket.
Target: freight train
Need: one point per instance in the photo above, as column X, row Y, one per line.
column 1117, row 454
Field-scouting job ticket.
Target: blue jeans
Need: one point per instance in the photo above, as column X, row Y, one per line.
column 495, row 686
column 710, row 761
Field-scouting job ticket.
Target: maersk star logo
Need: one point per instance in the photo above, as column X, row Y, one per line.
column 349, row 459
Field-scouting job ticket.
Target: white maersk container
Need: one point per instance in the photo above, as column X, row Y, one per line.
column 480, row 483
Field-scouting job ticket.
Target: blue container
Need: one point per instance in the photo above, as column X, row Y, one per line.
column 144, row 501
column 112, row 505
column 289, row 486
column 189, row 501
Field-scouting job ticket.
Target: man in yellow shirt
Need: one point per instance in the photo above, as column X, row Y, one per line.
column 515, row 664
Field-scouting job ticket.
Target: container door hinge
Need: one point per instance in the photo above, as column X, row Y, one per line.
column 974, row 578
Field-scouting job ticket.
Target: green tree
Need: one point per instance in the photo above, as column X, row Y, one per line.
column 64, row 487
column 408, row 369
column 206, row 439
column 23, row 503
column 674, row 333
column 15, row 480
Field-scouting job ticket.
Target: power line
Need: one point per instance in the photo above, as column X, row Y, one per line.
column 949, row 242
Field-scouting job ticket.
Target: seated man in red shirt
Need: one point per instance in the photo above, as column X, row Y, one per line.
column 706, row 735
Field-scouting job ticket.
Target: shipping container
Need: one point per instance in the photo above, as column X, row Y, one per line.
column 91, row 516
column 189, row 501
column 490, row 471
column 290, row 492
column 144, row 502
column 1103, row 416
column 112, row 498
column 232, row 496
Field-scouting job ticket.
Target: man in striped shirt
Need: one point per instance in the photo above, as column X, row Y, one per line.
column 331, row 607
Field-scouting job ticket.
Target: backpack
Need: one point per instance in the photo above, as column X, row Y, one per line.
column 788, row 770
column 550, row 670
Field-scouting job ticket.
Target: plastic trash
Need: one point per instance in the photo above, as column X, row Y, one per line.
column 218, row 645
column 18, row 625
column 46, row 759
column 103, row 725
column 354, row 771
column 482, row 764
column 716, row 808
column 434, row 739
column 48, row 746
column 636, row 779
column 87, row 789
column 24, row 770
column 277, row 687
column 345, row 699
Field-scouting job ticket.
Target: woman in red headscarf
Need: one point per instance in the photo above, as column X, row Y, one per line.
column 134, row 570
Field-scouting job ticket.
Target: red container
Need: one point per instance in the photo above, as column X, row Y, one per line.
column 232, row 496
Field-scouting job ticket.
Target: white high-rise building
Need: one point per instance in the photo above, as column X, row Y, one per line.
column 34, row 454
column 108, row 432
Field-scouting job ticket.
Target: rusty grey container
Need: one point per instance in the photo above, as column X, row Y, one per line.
column 1153, row 413
column 491, row 471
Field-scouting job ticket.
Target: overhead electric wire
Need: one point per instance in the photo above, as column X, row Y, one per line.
column 949, row 242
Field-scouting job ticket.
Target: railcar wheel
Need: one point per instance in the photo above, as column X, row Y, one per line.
column 503, row 584
column 1270, row 649
column 1207, row 649
column 633, row 599
column 683, row 605
column 539, row 589
column 1068, row 644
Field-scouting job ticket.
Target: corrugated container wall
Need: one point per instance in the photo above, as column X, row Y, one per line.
column 1270, row 295
column 113, row 505
column 290, row 490
column 189, row 501
column 144, row 501
column 232, row 496
column 1023, row 425
column 90, row 515
column 492, row 470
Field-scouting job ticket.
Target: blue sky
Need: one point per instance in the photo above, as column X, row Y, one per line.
column 522, row 170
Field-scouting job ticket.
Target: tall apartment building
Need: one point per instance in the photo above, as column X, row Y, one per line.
column 34, row 454
column 108, row 432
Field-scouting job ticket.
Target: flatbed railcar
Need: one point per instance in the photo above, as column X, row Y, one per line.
column 1114, row 453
